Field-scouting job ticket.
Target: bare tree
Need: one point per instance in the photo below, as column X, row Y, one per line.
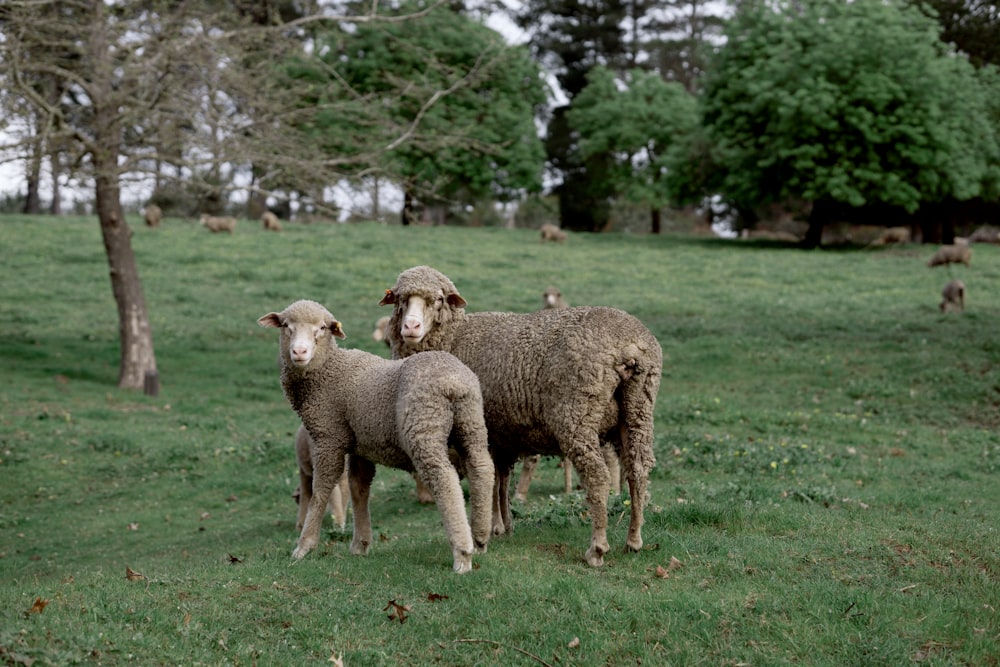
column 205, row 87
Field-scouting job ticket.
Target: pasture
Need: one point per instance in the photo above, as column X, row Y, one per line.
column 827, row 489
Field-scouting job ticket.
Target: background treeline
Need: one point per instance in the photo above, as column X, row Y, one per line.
column 607, row 116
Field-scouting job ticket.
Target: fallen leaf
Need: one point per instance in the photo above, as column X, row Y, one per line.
column 36, row 608
column 573, row 643
column 337, row 660
column 133, row 526
column 662, row 572
column 205, row 515
column 674, row 564
column 233, row 559
column 132, row 575
column 398, row 611
column 436, row 597
column 232, row 499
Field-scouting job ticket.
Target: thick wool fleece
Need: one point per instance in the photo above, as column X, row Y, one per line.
column 555, row 381
column 402, row 414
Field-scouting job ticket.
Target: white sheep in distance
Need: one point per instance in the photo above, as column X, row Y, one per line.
column 953, row 297
column 555, row 381
column 550, row 232
column 362, row 410
column 270, row 221
column 378, row 335
column 216, row 224
column 951, row 254
column 340, row 497
column 891, row 235
column 153, row 215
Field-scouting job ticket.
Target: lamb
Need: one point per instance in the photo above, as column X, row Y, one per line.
column 270, row 221
column 555, row 381
column 953, row 297
column 217, row 224
column 304, row 448
column 379, row 334
column 553, row 298
column 362, row 410
column 948, row 254
column 153, row 215
column 550, row 232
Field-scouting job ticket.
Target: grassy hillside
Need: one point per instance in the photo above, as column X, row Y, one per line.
column 828, row 461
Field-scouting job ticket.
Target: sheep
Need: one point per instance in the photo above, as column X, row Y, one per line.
column 953, row 297
column 555, row 381
column 362, row 410
column 892, row 235
column 985, row 234
column 379, row 334
column 337, row 504
column 553, row 298
column 550, row 232
column 947, row 254
column 217, row 224
column 270, row 221
column 153, row 215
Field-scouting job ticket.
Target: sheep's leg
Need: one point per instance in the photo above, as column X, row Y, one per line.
column 362, row 472
column 325, row 477
column 442, row 480
column 615, row 473
column 637, row 447
column 480, row 473
column 305, row 496
column 339, row 500
column 527, row 472
column 567, row 475
column 502, row 521
column 585, row 455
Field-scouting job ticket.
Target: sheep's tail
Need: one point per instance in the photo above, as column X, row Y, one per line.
column 640, row 375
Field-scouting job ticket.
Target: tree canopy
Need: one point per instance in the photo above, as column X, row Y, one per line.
column 853, row 103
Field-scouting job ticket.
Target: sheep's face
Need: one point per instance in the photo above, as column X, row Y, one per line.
column 551, row 297
column 305, row 326
column 420, row 312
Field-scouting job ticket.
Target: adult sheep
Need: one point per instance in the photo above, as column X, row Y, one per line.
column 270, row 221
column 953, row 297
column 555, row 381
column 304, row 451
column 217, row 224
column 153, row 215
column 362, row 410
column 550, row 232
column 951, row 254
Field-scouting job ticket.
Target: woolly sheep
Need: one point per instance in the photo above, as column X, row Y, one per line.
column 379, row 334
column 304, row 448
column 550, row 232
column 270, row 221
column 953, row 297
column 555, row 381
column 947, row 254
column 368, row 410
column 553, row 298
column 217, row 224
column 153, row 215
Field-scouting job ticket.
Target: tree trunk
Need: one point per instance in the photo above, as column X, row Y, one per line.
column 33, row 200
column 55, row 208
column 136, row 337
column 655, row 215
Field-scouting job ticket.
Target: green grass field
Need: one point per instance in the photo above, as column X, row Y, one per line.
column 828, row 474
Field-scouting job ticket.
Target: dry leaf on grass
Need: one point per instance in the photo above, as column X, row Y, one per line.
column 396, row 611
column 436, row 597
column 337, row 660
column 573, row 643
column 132, row 575
column 36, row 608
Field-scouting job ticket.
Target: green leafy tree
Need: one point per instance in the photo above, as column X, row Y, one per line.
column 973, row 26
column 844, row 104
column 640, row 125
column 479, row 141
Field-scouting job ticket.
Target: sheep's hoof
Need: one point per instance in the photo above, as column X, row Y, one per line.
column 300, row 553
column 631, row 548
column 595, row 557
column 462, row 564
column 359, row 548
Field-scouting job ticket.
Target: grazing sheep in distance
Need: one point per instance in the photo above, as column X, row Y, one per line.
column 553, row 298
column 270, row 221
column 948, row 254
column 550, row 232
column 153, row 215
column 303, row 493
column 985, row 234
column 953, row 297
column 582, row 375
column 216, row 224
column 892, row 235
column 362, row 410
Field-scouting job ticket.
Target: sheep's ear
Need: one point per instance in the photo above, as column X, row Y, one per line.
column 271, row 320
column 336, row 330
column 388, row 299
column 455, row 300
